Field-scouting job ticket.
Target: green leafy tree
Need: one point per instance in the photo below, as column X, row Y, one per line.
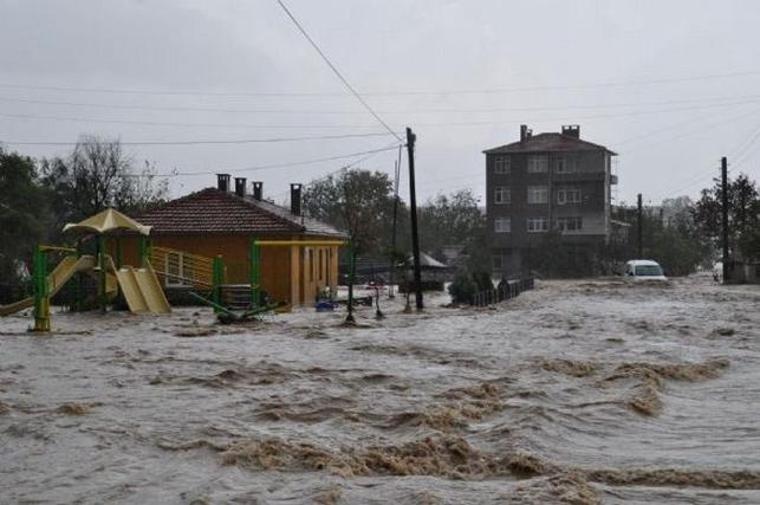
column 743, row 216
column 24, row 218
column 359, row 202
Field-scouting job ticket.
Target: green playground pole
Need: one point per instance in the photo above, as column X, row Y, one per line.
column 119, row 256
column 218, row 280
column 41, row 300
column 145, row 253
column 102, row 274
column 255, row 273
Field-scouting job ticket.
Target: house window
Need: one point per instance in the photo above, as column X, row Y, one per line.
column 569, row 223
column 538, row 164
column 537, row 224
column 565, row 165
column 538, row 194
column 502, row 165
column 502, row 225
column 174, row 269
column 498, row 262
column 568, row 195
column 502, row 195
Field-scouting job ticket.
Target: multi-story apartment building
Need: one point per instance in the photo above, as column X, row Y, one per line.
column 548, row 181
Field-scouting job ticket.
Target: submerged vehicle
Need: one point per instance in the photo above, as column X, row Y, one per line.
column 644, row 270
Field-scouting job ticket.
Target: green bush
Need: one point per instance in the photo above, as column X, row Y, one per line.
column 462, row 288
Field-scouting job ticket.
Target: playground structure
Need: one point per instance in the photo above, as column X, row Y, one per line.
column 139, row 285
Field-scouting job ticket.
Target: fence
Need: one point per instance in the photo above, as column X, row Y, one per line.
column 179, row 268
column 505, row 291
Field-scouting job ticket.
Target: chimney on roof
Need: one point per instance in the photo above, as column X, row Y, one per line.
column 295, row 199
column 240, row 183
column 525, row 132
column 258, row 189
column 223, row 182
column 572, row 130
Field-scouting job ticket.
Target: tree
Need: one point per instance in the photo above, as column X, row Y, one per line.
column 24, row 217
column 743, row 216
column 359, row 202
column 98, row 174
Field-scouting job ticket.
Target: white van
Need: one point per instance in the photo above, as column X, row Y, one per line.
column 644, row 270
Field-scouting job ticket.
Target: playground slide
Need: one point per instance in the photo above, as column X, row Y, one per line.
column 57, row 278
column 141, row 290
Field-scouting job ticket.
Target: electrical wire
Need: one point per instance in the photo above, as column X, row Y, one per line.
column 197, row 142
column 337, row 72
column 609, row 84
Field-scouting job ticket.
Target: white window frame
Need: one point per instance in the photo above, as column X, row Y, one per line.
column 502, row 195
column 538, row 195
column 538, row 164
column 537, row 225
column 502, row 225
column 566, row 196
column 563, row 222
column 565, row 165
column 174, row 269
column 502, row 165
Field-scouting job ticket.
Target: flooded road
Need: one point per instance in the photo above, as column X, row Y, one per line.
column 579, row 392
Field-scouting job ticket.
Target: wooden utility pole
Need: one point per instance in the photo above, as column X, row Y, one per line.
column 724, row 211
column 640, row 222
column 410, row 139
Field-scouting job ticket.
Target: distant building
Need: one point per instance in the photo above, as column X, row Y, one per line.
column 543, row 182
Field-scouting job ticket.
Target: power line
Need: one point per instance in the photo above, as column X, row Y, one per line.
column 337, row 73
column 609, row 84
column 198, row 142
column 715, row 102
column 274, row 165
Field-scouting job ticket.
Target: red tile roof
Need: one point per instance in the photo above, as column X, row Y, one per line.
column 544, row 142
column 213, row 211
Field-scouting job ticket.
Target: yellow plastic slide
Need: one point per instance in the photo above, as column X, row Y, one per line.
column 141, row 290
column 57, row 278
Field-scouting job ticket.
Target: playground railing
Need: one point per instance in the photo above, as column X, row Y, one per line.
column 180, row 268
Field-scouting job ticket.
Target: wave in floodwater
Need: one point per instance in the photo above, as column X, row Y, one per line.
column 584, row 392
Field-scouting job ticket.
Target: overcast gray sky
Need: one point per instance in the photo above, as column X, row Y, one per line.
column 669, row 85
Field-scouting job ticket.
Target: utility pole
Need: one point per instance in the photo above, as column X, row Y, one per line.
column 724, row 211
column 640, row 222
column 410, row 139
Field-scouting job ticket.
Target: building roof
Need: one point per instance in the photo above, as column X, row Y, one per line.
column 544, row 142
column 211, row 210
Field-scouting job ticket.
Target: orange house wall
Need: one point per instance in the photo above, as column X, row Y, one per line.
column 283, row 269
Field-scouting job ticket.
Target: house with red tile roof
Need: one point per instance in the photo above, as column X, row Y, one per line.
column 218, row 221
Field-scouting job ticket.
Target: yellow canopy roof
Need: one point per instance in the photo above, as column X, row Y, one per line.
column 106, row 221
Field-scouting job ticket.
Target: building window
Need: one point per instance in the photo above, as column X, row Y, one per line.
column 498, row 262
column 537, row 224
column 538, row 194
column 502, row 225
column 502, row 165
column 502, row 195
column 538, row 164
column 568, row 195
column 565, row 165
column 569, row 223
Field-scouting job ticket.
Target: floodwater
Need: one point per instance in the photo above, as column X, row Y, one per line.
column 579, row 392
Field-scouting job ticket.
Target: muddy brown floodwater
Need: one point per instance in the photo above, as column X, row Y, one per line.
column 582, row 392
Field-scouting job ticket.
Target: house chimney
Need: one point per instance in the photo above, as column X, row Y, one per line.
column 572, row 130
column 525, row 132
column 240, row 186
column 258, row 188
column 223, row 182
column 295, row 199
